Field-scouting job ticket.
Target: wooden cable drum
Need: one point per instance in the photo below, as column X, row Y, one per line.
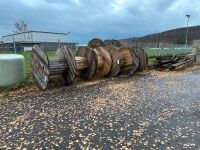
column 116, row 61
column 112, row 43
column 66, row 54
column 86, row 62
column 127, row 60
column 104, row 61
column 135, row 64
column 96, row 43
column 43, row 67
column 142, row 57
column 40, row 67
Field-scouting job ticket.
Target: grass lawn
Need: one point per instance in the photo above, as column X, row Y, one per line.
column 27, row 57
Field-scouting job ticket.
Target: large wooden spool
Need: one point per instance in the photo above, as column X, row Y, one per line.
column 142, row 57
column 135, row 63
column 104, row 61
column 129, row 61
column 40, row 67
column 94, row 43
column 103, row 57
column 43, row 67
column 66, row 55
column 86, row 62
column 116, row 61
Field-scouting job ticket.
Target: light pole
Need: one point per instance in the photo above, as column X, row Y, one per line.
column 186, row 39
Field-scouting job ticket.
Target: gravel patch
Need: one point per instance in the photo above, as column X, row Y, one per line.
column 152, row 110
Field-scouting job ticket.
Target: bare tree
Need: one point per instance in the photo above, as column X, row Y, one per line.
column 21, row 26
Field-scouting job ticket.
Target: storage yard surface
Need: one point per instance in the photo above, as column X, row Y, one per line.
column 149, row 110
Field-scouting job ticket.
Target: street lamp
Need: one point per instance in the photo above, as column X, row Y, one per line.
column 186, row 39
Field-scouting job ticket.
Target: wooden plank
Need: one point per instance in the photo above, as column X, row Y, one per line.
column 58, row 66
column 81, row 63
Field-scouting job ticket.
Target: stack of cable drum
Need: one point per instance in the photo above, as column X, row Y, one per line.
column 95, row 59
column 124, row 60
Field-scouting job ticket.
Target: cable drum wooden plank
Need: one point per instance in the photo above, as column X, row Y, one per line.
column 40, row 67
column 81, row 63
column 105, row 68
column 142, row 57
column 116, row 61
column 127, row 60
column 92, row 63
column 70, row 73
column 57, row 66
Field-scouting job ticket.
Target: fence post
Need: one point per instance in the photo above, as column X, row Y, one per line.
column 14, row 43
column 59, row 43
column 42, row 45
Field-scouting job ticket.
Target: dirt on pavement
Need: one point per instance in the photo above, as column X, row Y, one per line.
column 151, row 110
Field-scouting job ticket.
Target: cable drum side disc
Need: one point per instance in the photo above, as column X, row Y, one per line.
column 127, row 60
column 92, row 63
column 70, row 73
column 142, row 57
column 116, row 61
column 135, row 63
column 104, row 61
column 40, row 67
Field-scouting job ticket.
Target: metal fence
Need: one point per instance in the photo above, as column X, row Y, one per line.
column 160, row 49
column 152, row 44
column 152, row 49
column 6, row 49
column 11, row 48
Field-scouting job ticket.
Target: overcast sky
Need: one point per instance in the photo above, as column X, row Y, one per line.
column 106, row 19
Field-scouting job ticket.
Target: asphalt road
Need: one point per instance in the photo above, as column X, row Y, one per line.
column 152, row 110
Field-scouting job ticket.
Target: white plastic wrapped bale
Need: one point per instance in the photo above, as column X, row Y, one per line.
column 11, row 69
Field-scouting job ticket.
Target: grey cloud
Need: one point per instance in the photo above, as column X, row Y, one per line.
column 86, row 19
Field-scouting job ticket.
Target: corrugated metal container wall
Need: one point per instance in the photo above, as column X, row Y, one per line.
column 7, row 39
column 49, row 37
column 21, row 37
column 36, row 37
